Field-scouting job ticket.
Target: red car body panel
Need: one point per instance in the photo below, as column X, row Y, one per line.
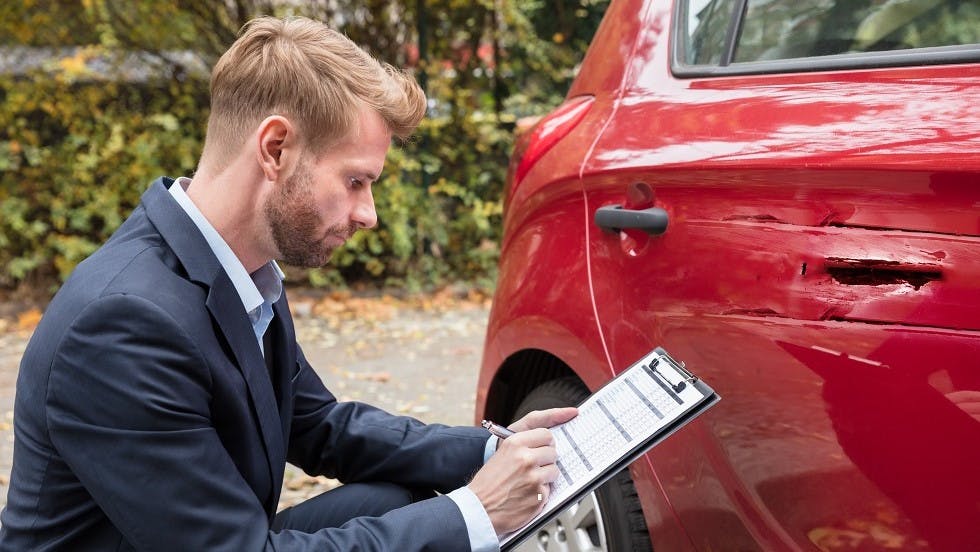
column 821, row 270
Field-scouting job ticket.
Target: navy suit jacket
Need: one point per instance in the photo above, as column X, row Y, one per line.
column 146, row 417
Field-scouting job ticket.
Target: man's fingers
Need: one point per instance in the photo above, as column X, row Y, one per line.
column 544, row 456
column 531, row 438
column 530, row 457
column 561, row 415
column 549, row 473
column 545, row 418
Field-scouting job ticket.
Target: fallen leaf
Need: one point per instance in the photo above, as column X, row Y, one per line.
column 382, row 377
column 27, row 320
column 301, row 309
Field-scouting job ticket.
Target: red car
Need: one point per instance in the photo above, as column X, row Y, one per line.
column 784, row 194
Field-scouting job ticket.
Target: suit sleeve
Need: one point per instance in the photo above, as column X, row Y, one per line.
column 129, row 411
column 353, row 441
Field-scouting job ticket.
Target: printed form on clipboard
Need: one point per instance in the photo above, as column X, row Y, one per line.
column 625, row 418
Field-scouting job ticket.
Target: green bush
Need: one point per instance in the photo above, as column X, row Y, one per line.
column 78, row 145
column 75, row 157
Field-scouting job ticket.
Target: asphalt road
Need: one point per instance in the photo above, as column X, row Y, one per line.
column 418, row 357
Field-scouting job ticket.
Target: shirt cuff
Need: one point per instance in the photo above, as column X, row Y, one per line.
column 483, row 537
column 490, row 448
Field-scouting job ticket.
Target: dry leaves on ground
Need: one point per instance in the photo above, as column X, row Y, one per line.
column 339, row 306
column 335, row 307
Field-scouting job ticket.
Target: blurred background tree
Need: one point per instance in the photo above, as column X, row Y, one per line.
column 99, row 97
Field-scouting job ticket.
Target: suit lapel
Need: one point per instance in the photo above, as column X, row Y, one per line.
column 280, row 357
column 284, row 351
column 222, row 301
column 226, row 309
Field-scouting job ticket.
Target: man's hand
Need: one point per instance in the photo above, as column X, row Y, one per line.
column 522, row 469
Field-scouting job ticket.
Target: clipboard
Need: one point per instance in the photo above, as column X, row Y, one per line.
column 633, row 398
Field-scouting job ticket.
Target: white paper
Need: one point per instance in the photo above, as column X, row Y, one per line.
column 614, row 421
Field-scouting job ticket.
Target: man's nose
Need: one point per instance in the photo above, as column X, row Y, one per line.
column 364, row 214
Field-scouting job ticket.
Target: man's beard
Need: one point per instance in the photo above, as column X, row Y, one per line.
column 294, row 220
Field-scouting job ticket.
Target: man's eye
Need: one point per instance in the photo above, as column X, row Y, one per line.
column 356, row 183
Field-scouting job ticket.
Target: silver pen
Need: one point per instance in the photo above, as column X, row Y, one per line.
column 496, row 429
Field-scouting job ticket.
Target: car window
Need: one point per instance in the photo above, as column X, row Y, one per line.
column 765, row 30
column 708, row 24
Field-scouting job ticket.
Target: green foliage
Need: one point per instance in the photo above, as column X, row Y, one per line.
column 79, row 145
column 76, row 156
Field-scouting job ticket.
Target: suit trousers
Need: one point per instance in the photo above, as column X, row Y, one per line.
column 338, row 506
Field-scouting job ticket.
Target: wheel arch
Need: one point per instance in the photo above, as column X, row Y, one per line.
column 517, row 376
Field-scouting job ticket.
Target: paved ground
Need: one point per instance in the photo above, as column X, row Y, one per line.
column 418, row 357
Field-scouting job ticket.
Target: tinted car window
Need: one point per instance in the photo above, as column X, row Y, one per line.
column 707, row 25
column 789, row 29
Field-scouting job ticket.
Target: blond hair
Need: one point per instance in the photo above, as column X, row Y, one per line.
column 312, row 75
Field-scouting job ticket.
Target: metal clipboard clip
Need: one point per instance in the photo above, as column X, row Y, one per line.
column 678, row 366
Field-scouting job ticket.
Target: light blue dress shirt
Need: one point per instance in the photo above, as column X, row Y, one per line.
column 259, row 291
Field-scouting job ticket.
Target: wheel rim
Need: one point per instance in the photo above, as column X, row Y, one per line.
column 577, row 529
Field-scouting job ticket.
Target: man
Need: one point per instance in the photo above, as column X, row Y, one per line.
column 163, row 391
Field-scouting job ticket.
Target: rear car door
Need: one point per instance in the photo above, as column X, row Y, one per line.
column 819, row 268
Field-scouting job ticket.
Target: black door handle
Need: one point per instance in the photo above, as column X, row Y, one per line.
column 614, row 218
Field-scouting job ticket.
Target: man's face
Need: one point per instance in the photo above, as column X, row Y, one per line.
column 324, row 202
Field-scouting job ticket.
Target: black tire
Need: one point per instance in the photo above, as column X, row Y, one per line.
column 617, row 525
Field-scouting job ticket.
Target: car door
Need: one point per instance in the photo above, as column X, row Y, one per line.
column 819, row 269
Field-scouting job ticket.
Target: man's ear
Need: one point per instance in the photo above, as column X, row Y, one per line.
column 278, row 147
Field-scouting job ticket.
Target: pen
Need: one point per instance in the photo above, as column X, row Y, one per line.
column 496, row 429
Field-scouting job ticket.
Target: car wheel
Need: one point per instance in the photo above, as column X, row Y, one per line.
column 609, row 519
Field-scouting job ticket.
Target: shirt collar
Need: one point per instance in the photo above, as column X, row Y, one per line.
column 262, row 286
